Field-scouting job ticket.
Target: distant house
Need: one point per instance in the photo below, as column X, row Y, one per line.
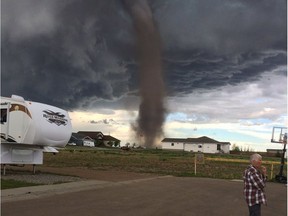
column 202, row 144
column 81, row 140
column 95, row 138
column 276, row 152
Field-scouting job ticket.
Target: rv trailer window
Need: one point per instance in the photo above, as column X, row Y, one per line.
column 3, row 115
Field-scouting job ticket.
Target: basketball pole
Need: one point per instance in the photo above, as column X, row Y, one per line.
column 282, row 132
column 280, row 177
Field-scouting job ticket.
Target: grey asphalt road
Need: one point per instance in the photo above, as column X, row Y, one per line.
column 157, row 196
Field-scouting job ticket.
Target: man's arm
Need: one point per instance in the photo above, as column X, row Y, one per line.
column 258, row 180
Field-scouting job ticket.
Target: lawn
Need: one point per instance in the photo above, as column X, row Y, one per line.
column 10, row 183
column 157, row 161
column 176, row 163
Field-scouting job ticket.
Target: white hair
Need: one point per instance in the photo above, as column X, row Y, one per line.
column 255, row 157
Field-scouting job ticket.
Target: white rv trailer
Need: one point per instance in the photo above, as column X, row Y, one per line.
column 29, row 128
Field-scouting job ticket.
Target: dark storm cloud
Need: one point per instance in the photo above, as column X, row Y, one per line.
column 222, row 26
column 204, row 72
column 73, row 53
column 79, row 59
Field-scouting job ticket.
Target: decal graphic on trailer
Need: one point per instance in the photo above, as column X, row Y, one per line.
column 55, row 117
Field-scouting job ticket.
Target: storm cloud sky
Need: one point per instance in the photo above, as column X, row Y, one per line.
column 217, row 56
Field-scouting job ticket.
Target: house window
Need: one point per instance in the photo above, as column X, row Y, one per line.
column 172, row 144
column 199, row 146
column 218, row 147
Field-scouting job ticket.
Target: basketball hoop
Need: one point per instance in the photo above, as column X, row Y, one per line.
column 279, row 135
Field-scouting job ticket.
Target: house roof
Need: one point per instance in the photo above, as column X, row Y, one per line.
column 93, row 134
column 274, row 150
column 174, row 140
column 80, row 136
column 202, row 139
column 109, row 138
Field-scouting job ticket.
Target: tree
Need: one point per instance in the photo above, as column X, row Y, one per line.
column 248, row 149
column 98, row 142
column 117, row 143
column 110, row 143
column 235, row 148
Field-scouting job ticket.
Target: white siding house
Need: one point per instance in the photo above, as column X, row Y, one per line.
column 173, row 143
column 202, row 144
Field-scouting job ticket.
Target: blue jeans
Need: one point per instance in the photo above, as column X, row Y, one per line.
column 255, row 210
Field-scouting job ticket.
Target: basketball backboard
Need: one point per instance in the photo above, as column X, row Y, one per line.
column 279, row 135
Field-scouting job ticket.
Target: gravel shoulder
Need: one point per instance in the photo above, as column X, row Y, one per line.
column 53, row 175
column 41, row 178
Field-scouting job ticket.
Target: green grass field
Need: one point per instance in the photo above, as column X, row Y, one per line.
column 157, row 161
column 10, row 183
column 176, row 163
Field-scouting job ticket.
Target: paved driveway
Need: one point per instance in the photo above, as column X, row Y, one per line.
column 148, row 196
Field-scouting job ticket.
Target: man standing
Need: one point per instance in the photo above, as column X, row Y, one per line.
column 255, row 177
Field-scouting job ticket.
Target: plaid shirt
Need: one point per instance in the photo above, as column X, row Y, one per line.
column 254, row 183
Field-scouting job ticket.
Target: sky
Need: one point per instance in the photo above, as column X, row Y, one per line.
column 223, row 65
